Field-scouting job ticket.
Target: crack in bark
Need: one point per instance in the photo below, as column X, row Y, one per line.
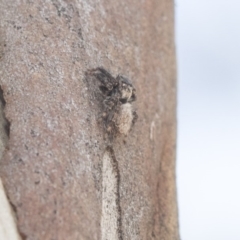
column 4, row 138
column 4, row 124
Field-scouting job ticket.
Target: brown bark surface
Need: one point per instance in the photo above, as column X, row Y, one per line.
column 52, row 167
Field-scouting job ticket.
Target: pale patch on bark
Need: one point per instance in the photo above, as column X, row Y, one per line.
column 110, row 206
column 152, row 128
column 8, row 229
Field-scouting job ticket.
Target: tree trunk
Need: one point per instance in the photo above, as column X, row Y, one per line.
column 63, row 180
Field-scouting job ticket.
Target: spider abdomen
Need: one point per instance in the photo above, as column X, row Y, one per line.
column 125, row 119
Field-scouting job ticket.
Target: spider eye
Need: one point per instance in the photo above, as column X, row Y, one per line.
column 123, row 100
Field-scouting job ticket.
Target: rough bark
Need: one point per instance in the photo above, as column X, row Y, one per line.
column 62, row 180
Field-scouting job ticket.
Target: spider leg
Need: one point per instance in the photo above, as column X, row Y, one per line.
column 135, row 117
column 108, row 82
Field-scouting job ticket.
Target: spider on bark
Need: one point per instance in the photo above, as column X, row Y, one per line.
column 118, row 114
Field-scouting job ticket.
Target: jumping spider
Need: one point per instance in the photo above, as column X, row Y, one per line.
column 118, row 115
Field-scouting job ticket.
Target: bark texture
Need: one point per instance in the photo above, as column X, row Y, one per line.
column 61, row 178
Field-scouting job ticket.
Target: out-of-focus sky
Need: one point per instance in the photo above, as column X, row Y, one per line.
column 208, row 148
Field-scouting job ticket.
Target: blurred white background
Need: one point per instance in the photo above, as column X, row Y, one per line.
column 208, row 152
